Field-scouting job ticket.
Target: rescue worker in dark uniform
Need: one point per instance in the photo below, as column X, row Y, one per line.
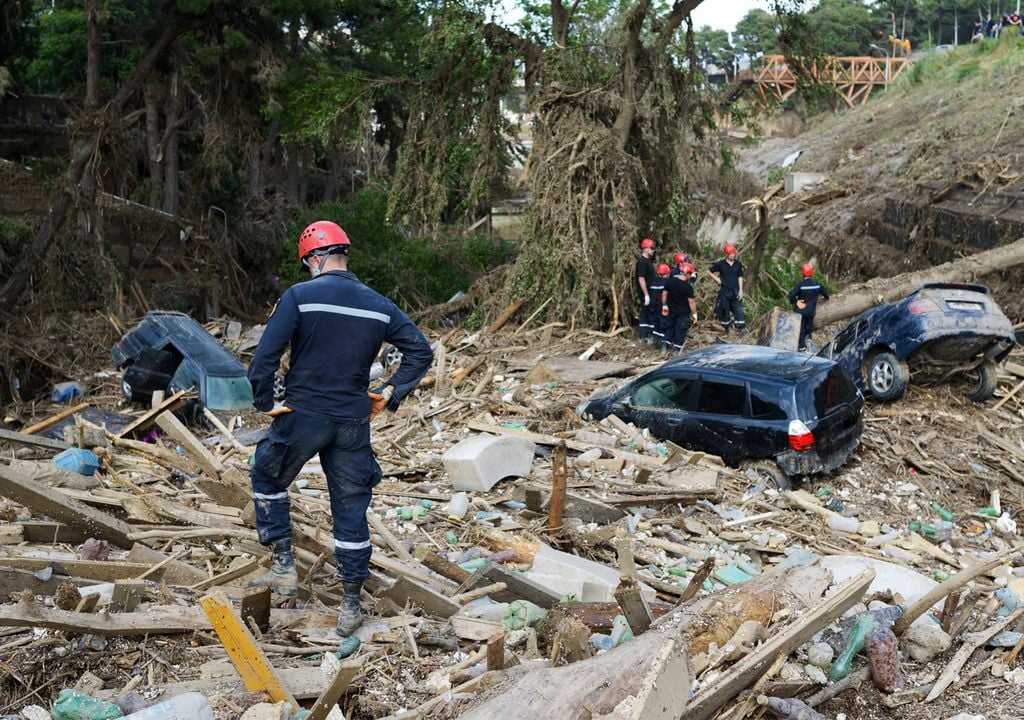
column 680, row 259
column 656, row 290
column 645, row 278
column 728, row 273
column 335, row 326
column 679, row 308
column 804, row 299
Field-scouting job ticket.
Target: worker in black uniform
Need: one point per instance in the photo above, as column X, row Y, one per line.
column 804, row 299
column 645, row 278
column 660, row 325
column 728, row 273
column 335, row 326
column 679, row 308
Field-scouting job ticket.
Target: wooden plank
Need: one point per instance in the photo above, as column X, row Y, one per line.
column 14, row 580
column 252, row 665
column 229, row 575
column 588, row 510
column 171, row 404
column 157, row 620
column 255, row 607
column 97, row 570
column 329, row 697
column 434, row 603
column 442, row 566
column 51, row 502
column 174, row 572
column 11, row 534
column 556, row 504
column 633, row 605
column 731, row 682
column 190, row 444
column 306, row 683
column 126, row 596
column 32, row 440
column 517, row 587
column 54, row 419
column 496, row 651
column 477, row 629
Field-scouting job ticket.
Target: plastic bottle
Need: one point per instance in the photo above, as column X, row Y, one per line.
column 790, row 708
column 188, row 706
column 621, row 632
column 843, row 523
column 865, row 624
column 72, row 705
column 457, row 506
column 884, row 655
column 943, row 512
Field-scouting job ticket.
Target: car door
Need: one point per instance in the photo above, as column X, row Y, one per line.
column 847, row 349
column 661, row 404
column 717, row 424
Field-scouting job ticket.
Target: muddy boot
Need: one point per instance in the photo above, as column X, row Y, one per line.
column 282, row 576
column 350, row 615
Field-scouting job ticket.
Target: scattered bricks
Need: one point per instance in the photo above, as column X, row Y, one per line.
column 477, row 463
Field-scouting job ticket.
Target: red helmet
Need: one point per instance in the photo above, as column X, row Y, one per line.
column 663, row 269
column 321, row 234
column 646, row 243
column 730, row 249
column 680, row 258
column 686, row 268
column 807, row 270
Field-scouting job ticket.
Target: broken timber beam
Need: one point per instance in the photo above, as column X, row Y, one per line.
column 190, row 444
column 54, row 419
column 32, row 440
column 55, row 504
column 146, row 419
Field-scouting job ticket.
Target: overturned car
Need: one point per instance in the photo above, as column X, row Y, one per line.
column 938, row 332
column 745, row 403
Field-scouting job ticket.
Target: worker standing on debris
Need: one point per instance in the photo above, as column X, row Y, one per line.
column 656, row 289
column 681, row 259
column 804, row 298
column 679, row 308
column 645, row 278
column 728, row 273
column 335, row 326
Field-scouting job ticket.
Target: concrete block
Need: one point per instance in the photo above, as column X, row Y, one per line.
column 796, row 180
column 598, row 581
column 478, row 462
column 558, row 583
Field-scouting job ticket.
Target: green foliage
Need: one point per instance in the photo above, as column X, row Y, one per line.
column 967, row 70
column 779, row 273
column 13, row 236
column 714, row 48
column 412, row 271
column 757, row 34
column 774, row 175
column 59, row 61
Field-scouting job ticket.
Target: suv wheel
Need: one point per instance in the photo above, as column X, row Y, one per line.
column 126, row 390
column 887, row 377
column 768, row 473
column 984, row 387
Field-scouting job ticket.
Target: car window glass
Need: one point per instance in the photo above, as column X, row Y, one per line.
column 185, row 378
column 764, row 404
column 832, row 389
column 721, row 399
column 663, row 393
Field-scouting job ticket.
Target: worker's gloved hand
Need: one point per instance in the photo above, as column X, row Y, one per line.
column 664, row 310
column 647, row 300
column 801, row 303
column 278, row 409
column 739, row 295
column 377, row 403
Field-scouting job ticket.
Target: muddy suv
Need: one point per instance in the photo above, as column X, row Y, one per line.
column 745, row 403
column 938, row 332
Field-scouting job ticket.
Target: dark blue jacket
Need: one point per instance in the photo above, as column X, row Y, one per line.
column 336, row 326
column 808, row 290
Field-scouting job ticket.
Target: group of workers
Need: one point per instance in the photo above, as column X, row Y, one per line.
column 668, row 306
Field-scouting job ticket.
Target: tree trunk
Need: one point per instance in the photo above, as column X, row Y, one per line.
column 81, row 151
column 292, row 172
column 156, row 169
column 760, row 243
column 92, row 66
column 859, row 298
column 175, row 105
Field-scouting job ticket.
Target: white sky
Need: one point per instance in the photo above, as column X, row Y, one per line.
column 724, row 14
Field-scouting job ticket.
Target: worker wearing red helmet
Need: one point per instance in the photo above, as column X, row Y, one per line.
column 804, row 299
column 646, row 277
column 728, row 273
column 661, row 277
column 335, row 327
column 679, row 260
column 679, row 308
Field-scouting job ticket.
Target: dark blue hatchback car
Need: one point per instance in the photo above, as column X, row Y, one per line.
column 938, row 332
column 745, row 403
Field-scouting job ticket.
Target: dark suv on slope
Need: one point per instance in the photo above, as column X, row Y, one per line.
column 745, row 403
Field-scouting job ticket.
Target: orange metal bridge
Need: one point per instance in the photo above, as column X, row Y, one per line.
column 853, row 77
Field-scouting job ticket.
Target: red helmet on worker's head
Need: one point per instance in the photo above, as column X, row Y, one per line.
column 729, row 249
column 321, row 234
column 686, row 268
column 807, row 270
column 680, row 258
column 646, row 243
column 663, row 269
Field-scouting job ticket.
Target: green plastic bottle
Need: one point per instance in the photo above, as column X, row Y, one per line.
column 943, row 512
column 865, row 624
column 72, row 705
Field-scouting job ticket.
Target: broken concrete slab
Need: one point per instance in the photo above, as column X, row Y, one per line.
column 479, row 462
column 795, row 181
column 888, row 576
column 564, row 573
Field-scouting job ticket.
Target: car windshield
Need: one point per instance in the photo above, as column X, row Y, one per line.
column 832, row 389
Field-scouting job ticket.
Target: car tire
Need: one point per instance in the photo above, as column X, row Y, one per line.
column 988, row 379
column 769, row 473
column 887, row 377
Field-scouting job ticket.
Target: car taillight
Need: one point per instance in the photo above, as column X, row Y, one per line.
column 922, row 307
column 800, row 438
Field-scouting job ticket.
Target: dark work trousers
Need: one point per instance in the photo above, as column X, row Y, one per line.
column 351, row 469
column 648, row 318
column 806, row 326
column 729, row 309
column 677, row 326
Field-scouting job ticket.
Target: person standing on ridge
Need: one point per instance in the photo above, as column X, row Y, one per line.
column 804, row 299
column 335, row 326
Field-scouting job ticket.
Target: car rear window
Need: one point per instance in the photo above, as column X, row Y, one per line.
column 669, row 393
column 721, row 398
column 832, row 389
column 764, row 404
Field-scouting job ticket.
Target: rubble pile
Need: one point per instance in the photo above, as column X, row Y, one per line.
column 525, row 560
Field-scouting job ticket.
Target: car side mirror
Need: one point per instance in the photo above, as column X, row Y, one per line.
column 625, row 403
